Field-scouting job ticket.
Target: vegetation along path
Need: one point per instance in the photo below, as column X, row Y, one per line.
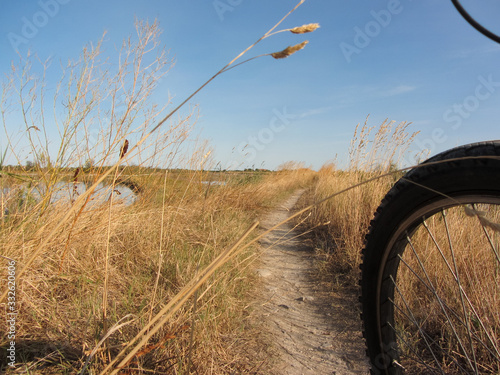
column 313, row 329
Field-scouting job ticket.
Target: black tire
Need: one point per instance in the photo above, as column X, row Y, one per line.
column 459, row 181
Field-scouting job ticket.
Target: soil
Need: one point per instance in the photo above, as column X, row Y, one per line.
column 313, row 326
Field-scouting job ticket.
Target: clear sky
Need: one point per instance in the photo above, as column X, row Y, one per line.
column 415, row 61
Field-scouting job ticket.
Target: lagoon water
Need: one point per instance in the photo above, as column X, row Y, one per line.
column 66, row 193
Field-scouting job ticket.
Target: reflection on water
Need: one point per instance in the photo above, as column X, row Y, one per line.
column 215, row 183
column 66, row 193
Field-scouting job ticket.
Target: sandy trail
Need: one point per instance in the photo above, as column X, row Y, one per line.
column 314, row 330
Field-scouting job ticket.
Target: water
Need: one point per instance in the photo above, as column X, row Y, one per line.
column 66, row 193
column 214, row 183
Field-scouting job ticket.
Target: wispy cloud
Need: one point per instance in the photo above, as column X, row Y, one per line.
column 315, row 111
column 362, row 93
column 471, row 52
column 421, row 123
column 398, row 90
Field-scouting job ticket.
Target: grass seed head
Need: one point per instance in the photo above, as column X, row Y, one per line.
column 290, row 50
column 124, row 149
column 309, row 28
column 75, row 176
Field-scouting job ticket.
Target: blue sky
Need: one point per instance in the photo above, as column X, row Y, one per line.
column 415, row 61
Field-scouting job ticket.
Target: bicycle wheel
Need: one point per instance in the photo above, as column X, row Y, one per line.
column 430, row 278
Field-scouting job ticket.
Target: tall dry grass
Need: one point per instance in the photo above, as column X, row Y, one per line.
column 340, row 224
column 140, row 256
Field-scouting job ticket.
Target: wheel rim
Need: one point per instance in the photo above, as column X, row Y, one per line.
column 439, row 294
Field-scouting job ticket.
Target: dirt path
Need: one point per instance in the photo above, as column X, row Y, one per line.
column 314, row 330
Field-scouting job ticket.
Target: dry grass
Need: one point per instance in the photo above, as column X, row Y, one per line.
column 340, row 224
column 166, row 242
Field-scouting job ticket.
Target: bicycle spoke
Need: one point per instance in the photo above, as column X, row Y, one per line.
column 434, row 292
column 424, row 223
column 453, row 318
column 473, row 362
column 414, row 321
column 460, row 289
column 451, row 310
column 411, row 347
column 484, row 223
column 455, row 314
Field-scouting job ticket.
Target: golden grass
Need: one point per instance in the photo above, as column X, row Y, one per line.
column 341, row 223
column 123, row 252
column 309, row 28
column 288, row 51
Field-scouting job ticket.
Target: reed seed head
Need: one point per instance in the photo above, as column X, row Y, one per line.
column 309, row 28
column 289, row 50
column 75, row 176
column 124, row 149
